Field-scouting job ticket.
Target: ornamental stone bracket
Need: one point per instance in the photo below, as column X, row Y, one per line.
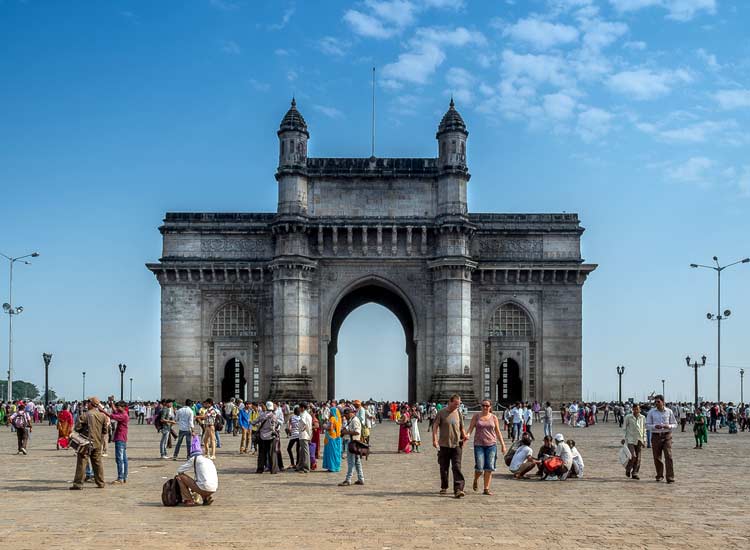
column 292, row 267
column 457, row 267
column 212, row 273
column 533, row 275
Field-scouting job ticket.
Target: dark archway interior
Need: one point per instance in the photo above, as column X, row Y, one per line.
column 387, row 298
column 510, row 378
column 228, row 383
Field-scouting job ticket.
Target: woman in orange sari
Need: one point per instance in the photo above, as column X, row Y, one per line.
column 332, row 442
column 64, row 426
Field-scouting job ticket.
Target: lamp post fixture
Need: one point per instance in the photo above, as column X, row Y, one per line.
column 122, row 367
column 47, row 359
column 718, row 316
column 695, row 366
column 131, row 390
column 742, row 386
column 620, row 372
column 662, row 390
column 83, row 398
column 11, row 311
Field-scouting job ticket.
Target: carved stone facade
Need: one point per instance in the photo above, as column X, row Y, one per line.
column 490, row 304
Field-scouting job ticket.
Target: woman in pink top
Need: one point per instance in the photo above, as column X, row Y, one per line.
column 485, row 444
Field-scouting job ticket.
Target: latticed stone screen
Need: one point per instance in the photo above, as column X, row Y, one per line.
column 509, row 320
column 233, row 320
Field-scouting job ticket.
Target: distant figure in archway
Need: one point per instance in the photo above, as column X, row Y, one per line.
column 404, row 431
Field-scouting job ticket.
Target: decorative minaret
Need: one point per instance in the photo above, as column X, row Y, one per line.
column 452, row 267
column 293, row 136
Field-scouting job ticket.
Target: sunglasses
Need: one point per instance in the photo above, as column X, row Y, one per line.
column 486, row 405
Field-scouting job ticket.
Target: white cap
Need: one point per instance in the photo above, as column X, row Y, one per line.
column 269, row 405
column 559, row 437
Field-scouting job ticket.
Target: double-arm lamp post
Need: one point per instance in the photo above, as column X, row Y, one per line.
column 47, row 359
column 122, row 368
column 11, row 311
column 620, row 372
column 718, row 316
column 695, row 366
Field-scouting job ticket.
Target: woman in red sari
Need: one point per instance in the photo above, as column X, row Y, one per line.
column 64, row 426
column 404, row 431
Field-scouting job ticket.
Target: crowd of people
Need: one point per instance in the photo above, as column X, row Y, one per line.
column 320, row 436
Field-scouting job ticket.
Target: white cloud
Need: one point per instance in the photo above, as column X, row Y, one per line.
column 699, row 132
column 540, row 34
column 231, row 47
column 332, row 46
column 366, row 25
column 678, row 10
column 285, row 18
column 330, row 112
column 426, row 53
column 401, row 13
column 444, row 4
column 743, row 182
column 225, row 5
column 733, row 99
column 694, row 170
column 709, row 59
column 259, row 86
column 593, row 123
column 291, row 75
column 646, row 84
column 281, row 52
column 461, row 84
column 559, row 106
column 536, row 68
column 635, row 45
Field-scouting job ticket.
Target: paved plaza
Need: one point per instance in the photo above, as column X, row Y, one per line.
column 399, row 507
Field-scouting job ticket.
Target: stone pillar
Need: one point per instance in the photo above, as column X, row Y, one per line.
column 181, row 372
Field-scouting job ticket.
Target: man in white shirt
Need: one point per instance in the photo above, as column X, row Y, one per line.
column 516, row 416
column 523, row 459
column 576, row 469
column 206, row 481
column 563, row 451
column 573, row 412
column 661, row 421
column 305, row 435
column 354, row 431
column 548, row 419
column 185, row 419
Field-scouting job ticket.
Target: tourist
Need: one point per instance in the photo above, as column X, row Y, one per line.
column 731, row 415
column 121, row 415
column 208, row 417
column 166, row 420
column 528, row 421
column 206, row 481
column 21, row 422
column 547, row 450
column 448, row 436
column 92, row 423
column 523, row 459
column 243, row 420
column 516, row 419
column 404, row 432
column 573, row 412
column 332, row 441
column 414, row 435
column 431, row 414
column 185, row 420
column 562, row 451
column 576, row 469
column 699, row 428
column 305, row 435
column 548, row 419
column 228, row 415
column 353, row 460
column 267, row 434
column 487, row 434
column 661, row 422
column 64, row 426
column 292, row 430
column 635, row 439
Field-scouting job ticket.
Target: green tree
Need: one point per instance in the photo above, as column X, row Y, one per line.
column 23, row 390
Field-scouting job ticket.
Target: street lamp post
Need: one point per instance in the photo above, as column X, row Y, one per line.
column 83, row 398
column 11, row 311
column 695, row 366
column 662, row 390
column 742, row 386
column 47, row 359
column 131, row 390
column 620, row 372
column 718, row 317
column 122, row 368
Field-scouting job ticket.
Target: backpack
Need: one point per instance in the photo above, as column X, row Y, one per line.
column 218, row 423
column 19, row 422
column 170, row 493
column 157, row 419
column 357, row 448
column 508, row 458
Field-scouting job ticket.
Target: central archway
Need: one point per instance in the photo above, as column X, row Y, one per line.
column 374, row 292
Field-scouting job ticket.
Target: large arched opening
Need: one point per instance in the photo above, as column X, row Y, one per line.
column 373, row 292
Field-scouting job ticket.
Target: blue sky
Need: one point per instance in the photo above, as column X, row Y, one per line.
column 633, row 113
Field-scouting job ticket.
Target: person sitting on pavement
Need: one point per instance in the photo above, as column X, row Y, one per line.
column 577, row 469
column 546, row 451
column 206, row 481
column 563, row 451
column 523, row 459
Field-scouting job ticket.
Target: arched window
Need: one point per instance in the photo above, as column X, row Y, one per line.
column 509, row 320
column 233, row 320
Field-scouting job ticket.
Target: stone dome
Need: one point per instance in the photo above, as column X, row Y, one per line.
column 452, row 121
column 293, row 120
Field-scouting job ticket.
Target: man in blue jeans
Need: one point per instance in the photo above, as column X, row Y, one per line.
column 185, row 419
column 166, row 417
column 120, row 415
column 354, row 431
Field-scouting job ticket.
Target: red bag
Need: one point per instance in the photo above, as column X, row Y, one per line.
column 552, row 464
column 63, row 442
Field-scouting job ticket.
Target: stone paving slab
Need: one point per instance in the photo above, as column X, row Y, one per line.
column 397, row 508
